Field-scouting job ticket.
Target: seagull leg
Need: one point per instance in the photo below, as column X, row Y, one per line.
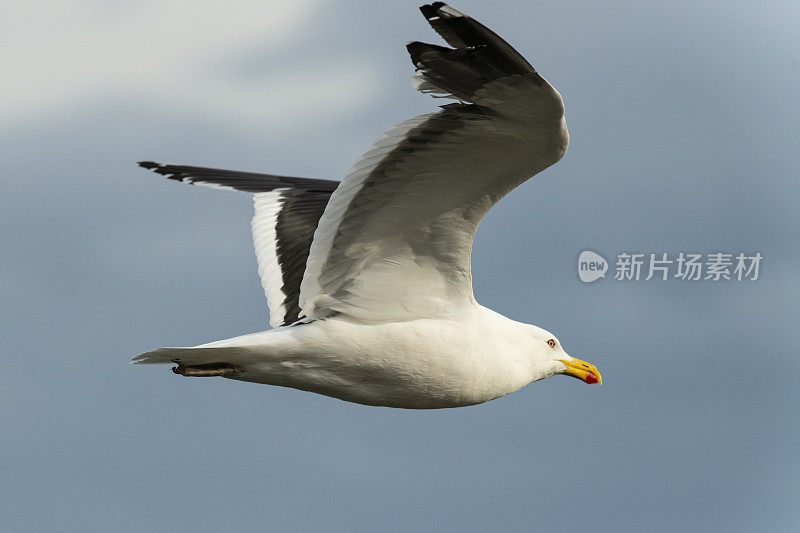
column 205, row 371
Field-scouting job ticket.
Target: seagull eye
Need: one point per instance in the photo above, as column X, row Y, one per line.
column 551, row 343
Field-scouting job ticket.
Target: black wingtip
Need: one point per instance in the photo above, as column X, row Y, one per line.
column 158, row 168
column 462, row 31
column 440, row 10
column 430, row 10
column 417, row 48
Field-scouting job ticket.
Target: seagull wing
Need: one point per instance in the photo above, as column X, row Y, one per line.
column 395, row 238
column 287, row 211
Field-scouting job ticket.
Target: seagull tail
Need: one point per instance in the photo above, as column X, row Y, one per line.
column 479, row 56
column 195, row 356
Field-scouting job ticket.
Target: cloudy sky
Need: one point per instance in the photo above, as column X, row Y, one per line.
column 684, row 137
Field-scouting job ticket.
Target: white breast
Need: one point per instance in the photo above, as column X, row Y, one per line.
column 423, row 363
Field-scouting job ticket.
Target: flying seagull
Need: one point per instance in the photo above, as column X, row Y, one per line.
column 368, row 280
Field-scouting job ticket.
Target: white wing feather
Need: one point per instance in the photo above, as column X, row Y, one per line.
column 267, row 207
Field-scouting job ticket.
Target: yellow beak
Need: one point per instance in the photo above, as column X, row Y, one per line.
column 582, row 370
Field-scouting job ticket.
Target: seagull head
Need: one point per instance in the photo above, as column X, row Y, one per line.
column 548, row 348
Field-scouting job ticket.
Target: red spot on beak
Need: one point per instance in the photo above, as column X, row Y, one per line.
column 590, row 378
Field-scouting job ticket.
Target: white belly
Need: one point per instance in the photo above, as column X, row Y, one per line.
column 417, row 364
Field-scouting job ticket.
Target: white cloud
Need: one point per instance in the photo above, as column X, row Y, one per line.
column 58, row 54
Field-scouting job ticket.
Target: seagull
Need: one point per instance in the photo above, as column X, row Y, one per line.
column 368, row 280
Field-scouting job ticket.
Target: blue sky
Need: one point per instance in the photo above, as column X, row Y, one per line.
column 683, row 121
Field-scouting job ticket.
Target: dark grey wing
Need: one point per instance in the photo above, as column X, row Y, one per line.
column 287, row 212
